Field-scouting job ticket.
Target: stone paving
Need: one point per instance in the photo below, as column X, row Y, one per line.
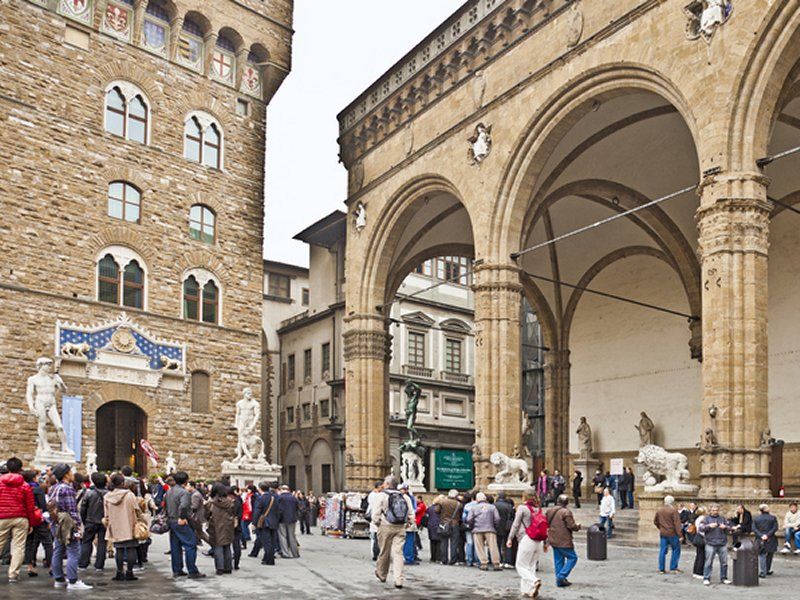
column 333, row 568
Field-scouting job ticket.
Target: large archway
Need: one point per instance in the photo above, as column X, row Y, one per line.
column 120, row 427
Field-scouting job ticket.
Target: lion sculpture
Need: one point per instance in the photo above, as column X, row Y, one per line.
column 511, row 470
column 669, row 465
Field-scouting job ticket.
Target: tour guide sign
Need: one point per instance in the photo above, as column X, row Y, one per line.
column 453, row 469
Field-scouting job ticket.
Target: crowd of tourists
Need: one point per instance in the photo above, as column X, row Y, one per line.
column 80, row 521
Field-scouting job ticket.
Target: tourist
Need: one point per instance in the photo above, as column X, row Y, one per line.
column 287, row 517
column 562, row 525
column 559, row 484
column 409, row 543
column 92, row 512
column 688, row 516
column 714, row 527
column 197, row 512
column 119, row 509
column 449, row 510
column 313, row 502
column 598, row 481
column 302, row 512
column 247, row 514
column 238, row 512
column 529, row 550
column 765, row 526
column 65, row 524
column 221, row 524
column 182, row 537
column 470, row 556
column 791, row 529
column 670, row 532
column 421, row 520
column 372, row 498
column 505, row 506
column 741, row 523
column 393, row 514
column 17, row 515
column 627, row 483
column 699, row 541
column 483, row 520
column 607, row 511
column 434, row 539
column 39, row 534
column 127, row 472
column 265, row 519
column 544, row 486
column 577, row 485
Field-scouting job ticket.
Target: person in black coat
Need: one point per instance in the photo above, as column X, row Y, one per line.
column 577, row 484
column 505, row 507
column 742, row 523
column 92, row 512
column 238, row 511
column 287, row 516
column 626, row 486
column 266, row 505
column 765, row 526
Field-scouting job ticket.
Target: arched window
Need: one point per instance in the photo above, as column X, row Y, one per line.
column 201, row 396
column 202, row 137
column 108, row 280
column 210, row 301
column 124, row 201
column 191, row 298
column 156, row 28
column 126, row 112
column 202, row 223
column 133, row 286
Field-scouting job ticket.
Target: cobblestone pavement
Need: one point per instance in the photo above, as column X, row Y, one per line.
column 333, row 568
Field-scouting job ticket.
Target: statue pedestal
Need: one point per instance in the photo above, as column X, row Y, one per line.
column 412, row 470
column 243, row 473
column 42, row 460
column 513, row 488
column 587, row 465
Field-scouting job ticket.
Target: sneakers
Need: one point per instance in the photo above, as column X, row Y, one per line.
column 197, row 575
column 13, row 580
column 797, row 551
column 787, row 549
column 706, row 582
column 727, row 581
column 60, row 584
column 676, row 571
column 697, row 576
column 78, row 586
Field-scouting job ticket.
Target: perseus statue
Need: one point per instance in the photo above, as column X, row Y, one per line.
column 41, row 397
column 413, row 393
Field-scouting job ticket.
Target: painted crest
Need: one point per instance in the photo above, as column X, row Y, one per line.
column 155, row 37
column 190, row 52
column 222, row 65
column 117, row 22
column 705, row 17
column 251, row 81
column 122, row 340
column 480, row 144
column 79, row 10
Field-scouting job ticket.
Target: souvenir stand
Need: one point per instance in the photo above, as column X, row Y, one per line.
column 344, row 516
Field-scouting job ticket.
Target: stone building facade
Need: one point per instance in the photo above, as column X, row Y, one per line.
column 519, row 121
column 132, row 214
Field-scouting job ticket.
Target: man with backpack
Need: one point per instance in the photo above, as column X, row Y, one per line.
column 392, row 514
column 560, row 527
column 530, row 531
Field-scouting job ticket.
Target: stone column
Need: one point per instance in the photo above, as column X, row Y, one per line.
column 556, row 411
column 241, row 62
column 498, row 405
column 209, row 45
column 367, row 346
column 175, row 28
column 733, row 223
column 139, row 9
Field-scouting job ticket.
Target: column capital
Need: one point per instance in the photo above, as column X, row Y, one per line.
column 729, row 185
column 490, row 277
column 367, row 344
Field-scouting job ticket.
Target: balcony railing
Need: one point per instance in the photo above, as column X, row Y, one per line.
column 418, row 371
column 464, row 378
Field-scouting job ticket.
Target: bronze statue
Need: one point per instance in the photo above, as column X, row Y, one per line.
column 413, row 393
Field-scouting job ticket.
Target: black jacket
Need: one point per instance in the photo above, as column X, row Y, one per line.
column 766, row 524
column 505, row 507
column 745, row 520
column 577, row 483
column 91, row 506
column 262, row 505
column 626, row 482
column 287, row 508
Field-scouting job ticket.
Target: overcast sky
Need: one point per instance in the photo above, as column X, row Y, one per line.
column 340, row 47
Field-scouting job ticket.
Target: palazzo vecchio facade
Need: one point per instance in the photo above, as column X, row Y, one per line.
column 131, row 193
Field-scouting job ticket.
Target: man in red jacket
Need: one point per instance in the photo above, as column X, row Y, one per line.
column 16, row 514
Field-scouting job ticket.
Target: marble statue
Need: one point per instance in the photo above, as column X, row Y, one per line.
column 413, row 393
column 480, row 144
column 645, row 429
column 669, row 465
column 170, row 464
column 250, row 446
column 41, row 397
column 91, row 462
column 511, row 471
column 709, row 439
column 705, row 17
column 584, row 438
column 361, row 216
column 74, row 350
column 767, row 441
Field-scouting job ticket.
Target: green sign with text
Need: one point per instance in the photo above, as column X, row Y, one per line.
column 453, row 470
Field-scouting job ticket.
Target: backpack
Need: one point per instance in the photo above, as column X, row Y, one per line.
column 537, row 530
column 396, row 508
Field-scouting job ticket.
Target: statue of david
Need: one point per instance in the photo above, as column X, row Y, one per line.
column 41, row 397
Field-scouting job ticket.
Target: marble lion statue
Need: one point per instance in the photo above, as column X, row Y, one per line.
column 75, row 350
column 669, row 465
column 170, row 364
column 511, row 470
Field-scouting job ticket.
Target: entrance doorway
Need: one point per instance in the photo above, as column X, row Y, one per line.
column 120, row 426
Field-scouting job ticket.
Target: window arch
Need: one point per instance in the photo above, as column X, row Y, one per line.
column 202, row 224
column 201, row 392
column 203, row 140
column 121, row 277
column 124, row 201
column 202, row 298
column 127, row 112
column 191, row 46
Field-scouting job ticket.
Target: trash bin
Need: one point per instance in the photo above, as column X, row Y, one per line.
column 745, row 563
column 596, row 543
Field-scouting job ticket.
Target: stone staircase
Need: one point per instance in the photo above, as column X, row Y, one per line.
column 626, row 524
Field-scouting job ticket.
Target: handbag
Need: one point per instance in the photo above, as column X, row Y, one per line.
column 140, row 531
column 262, row 519
column 445, row 525
column 598, row 489
column 159, row 524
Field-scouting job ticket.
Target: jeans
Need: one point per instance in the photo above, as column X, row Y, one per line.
column 373, row 536
column 72, row 552
column 711, row 552
column 182, row 539
column 672, row 542
column 792, row 534
column 765, row 563
column 222, row 558
column 470, row 557
column 629, row 493
column 408, row 548
column 607, row 523
column 90, row 532
column 449, row 546
column 564, row 560
column 246, row 531
column 237, row 548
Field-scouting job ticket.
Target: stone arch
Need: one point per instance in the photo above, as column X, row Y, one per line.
column 207, row 199
column 202, row 100
column 440, row 250
column 125, row 174
column 121, row 235
column 205, row 260
column 132, row 73
column 564, row 108
column 773, row 54
column 112, row 392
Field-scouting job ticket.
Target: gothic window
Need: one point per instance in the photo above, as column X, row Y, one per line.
column 211, row 146
column 193, row 137
column 133, row 285
column 201, row 296
column 190, row 45
column 201, row 396
column 223, row 60
column 191, row 299
column 108, row 280
column 202, row 224
column 210, row 302
column 121, row 277
column 156, row 28
column 203, row 140
column 124, row 201
column 126, row 113
column 416, row 349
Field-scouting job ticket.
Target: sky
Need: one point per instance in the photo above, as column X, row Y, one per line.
column 340, row 47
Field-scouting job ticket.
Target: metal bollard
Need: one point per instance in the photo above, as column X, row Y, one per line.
column 596, row 543
column 745, row 563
